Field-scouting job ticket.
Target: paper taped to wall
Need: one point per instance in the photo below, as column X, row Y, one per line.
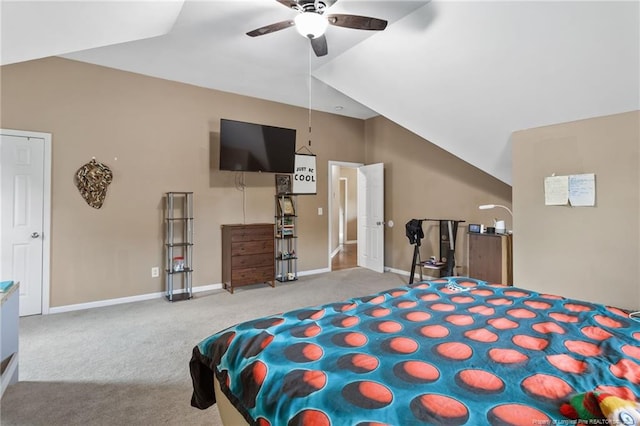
column 582, row 190
column 556, row 190
column 576, row 190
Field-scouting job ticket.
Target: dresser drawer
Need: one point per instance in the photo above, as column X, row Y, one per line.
column 252, row 275
column 252, row 247
column 256, row 260
column 252, row 234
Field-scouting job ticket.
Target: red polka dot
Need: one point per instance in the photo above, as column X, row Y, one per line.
column 348, row 307
column 507, row 356
column 481, row 335
column 443, row 307
column 364, row 362
column 546, row 387
column 434, row 331
column 317, row 315
column 367, row 394
column 467, row 284
column 515, row 293
column 459, row 319
column 349, row 321
column 482, row 292
column 530, row 342
column 377, row 300
column 574, row 307
column 502, row 323
column 418, row 316
column 536, row 304
column 355, row 339
column 421, row 370
column 462, row 299
column 259, row 371
column 563, row 317
column 309, row 417
column 632, row 351
column 521, row 313
column 430, row 297
column 517, row 415
column 262, row 422
column 314, row 378
column 481, row 381
column 551, row 296
column 312, row 330
column 500, row 301
column 596, row 333
column 403, row 345
column 379, row 312
column 567, row 364
column 439, row 409
column 548, row 328
column 407, row 304
column 312, row 352
column 627, row 369
column 454, row 350
column 607, row 321
column 617, row 311
column 398, row 293
column 265, row 342
column 482, row 310
column 582, row 348
column 389, row 327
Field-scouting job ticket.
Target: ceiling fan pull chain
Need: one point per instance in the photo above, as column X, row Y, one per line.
column 309, row 56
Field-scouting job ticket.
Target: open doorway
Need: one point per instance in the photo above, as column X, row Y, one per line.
column 343, row 215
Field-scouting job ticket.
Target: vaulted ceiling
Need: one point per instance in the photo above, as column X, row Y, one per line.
column 463, row 75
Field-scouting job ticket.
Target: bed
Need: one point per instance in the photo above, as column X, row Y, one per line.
column 450, row 351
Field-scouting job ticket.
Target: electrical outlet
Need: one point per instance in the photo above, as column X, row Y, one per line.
column 155, row 272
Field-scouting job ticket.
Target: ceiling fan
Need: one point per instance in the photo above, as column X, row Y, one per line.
column 312, row 22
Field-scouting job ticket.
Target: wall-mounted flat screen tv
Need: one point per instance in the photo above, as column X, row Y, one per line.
column 249, row 147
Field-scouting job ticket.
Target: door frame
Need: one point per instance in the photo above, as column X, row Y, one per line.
column 46, row 209
column 330, row 200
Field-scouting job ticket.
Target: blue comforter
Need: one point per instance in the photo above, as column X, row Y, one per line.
column 451, row 351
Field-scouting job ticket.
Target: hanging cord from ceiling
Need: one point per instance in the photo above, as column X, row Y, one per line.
column 310, row 50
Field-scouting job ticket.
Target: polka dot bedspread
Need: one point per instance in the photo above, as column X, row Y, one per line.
column 452, row 351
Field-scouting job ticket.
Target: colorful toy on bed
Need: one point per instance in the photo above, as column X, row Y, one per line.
column 592, row 405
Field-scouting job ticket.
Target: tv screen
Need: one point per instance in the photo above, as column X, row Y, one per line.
column 253, row 147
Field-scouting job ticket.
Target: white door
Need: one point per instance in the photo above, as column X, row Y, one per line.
column 21, row 217
column 371, row 217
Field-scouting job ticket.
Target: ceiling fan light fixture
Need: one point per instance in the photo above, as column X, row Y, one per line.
column 311, row 24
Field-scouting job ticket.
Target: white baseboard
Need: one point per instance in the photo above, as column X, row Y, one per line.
column 313, row 272
column 199, row 289
column 121, row 300
column 416, row 276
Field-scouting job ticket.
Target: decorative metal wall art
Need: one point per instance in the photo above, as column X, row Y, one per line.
column 92, row 181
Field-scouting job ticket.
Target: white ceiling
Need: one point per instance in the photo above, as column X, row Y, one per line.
column 463, row 75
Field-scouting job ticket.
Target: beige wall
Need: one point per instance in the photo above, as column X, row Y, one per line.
column 160, row 136
column 155, row 136
column 590, row 253
column 424, row 181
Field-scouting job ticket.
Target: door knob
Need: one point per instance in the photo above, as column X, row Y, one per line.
column 34, row 235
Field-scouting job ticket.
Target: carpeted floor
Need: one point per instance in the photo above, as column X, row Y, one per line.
column 128, row 364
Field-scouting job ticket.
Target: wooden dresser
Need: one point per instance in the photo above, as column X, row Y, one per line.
column 490, row 258
column 247, row 255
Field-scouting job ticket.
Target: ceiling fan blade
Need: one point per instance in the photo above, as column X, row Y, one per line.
column 291, row 4
column 357, row 22
column 319, row 45
column 271, row 28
